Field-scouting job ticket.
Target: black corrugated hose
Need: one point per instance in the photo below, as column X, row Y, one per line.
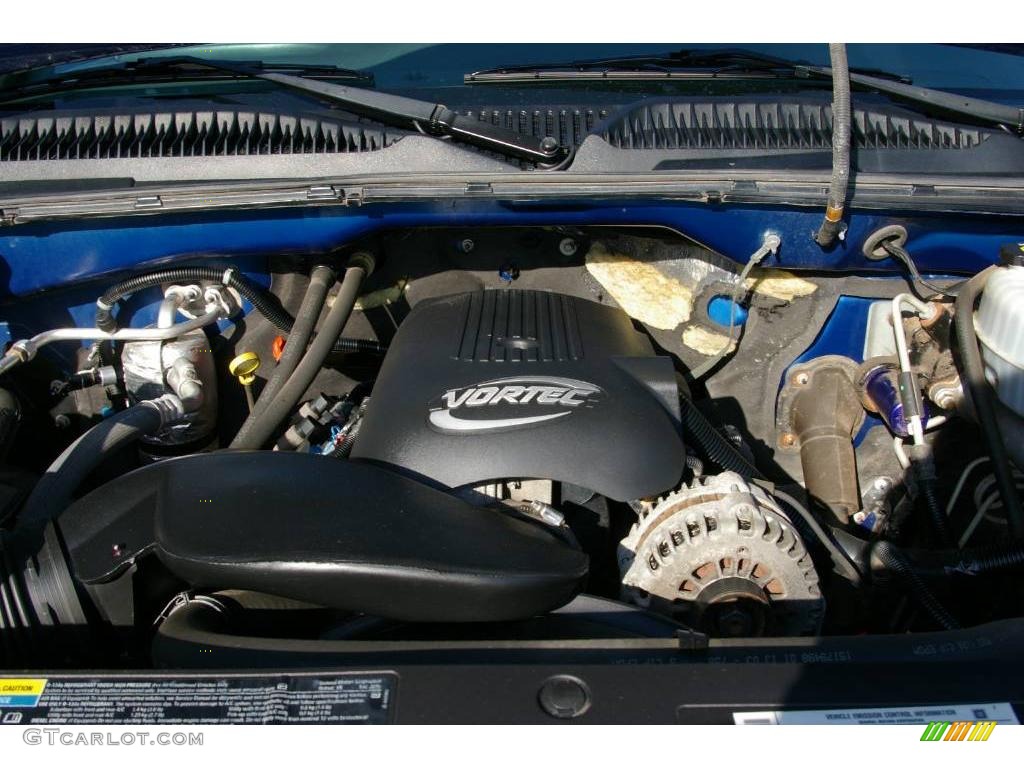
column 985, row 561
column 715, row 446
column 262, row 301
column 916, row 566
column 320, row 281
column 897, row 563
column 832, row 224
column 284, row 402
column 980, row 393
column 344, row 448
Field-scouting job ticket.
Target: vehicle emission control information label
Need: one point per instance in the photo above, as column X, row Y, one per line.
column 999, row 712
column 320, row 698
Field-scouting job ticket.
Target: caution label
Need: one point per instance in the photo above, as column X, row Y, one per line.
column 20, row 691
column 186, row 699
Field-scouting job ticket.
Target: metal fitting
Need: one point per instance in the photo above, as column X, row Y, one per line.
column 568, row 246
column 169, row 406
column 183, row 378
column 546, row 514
column 364, row 261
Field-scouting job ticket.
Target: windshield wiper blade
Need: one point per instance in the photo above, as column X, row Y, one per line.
column 685, row 64
column 699, row 64
column 979, row 109
column 161, row 70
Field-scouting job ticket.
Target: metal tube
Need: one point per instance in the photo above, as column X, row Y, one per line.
column 903, row 354
column 26, row 349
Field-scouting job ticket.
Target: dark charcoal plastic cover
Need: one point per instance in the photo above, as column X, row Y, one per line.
column 525, row 384
column 328, row 532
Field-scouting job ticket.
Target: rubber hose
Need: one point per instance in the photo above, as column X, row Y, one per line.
column 714, row 445
column 980, row 394
column 831, row 225
column 320, row 281
column 841, row 561
column 287, row 398
column 55, row 489
column 262, row 301
column 897, row 563
column 923, row 464
column 302, row 331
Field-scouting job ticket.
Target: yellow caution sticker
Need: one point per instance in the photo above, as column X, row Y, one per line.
column 21, row 691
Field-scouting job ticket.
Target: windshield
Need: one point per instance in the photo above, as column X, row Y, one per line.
column 993, row 71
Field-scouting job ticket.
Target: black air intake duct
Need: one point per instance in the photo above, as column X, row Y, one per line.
column 339, row 534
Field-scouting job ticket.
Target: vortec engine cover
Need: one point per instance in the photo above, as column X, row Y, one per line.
column 524, row 384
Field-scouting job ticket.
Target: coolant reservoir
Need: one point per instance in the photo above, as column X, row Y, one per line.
column 999, row 323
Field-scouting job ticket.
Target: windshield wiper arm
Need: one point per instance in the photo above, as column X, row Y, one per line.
column 412, row 114
column 695, row 64
column 429, row 118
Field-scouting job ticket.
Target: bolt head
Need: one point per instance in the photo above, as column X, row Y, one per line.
column 734, row 623
column 567, row 246
column 564, row 697
column 801, row 379
column 467, row 245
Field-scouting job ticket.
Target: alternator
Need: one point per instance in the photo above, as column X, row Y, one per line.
column 722, row 557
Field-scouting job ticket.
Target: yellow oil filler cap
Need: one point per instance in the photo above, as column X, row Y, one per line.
column 244, row 367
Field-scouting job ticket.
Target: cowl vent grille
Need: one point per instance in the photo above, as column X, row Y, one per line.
column 773, row 126
column 184, row 134
column 223, row 134
column 717, row 125
column 570, row 125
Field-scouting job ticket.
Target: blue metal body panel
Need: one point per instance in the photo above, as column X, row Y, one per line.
column 46, row 255
column 40, row 257
column 844, row 332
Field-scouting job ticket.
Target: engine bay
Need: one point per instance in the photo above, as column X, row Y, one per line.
column 506, row 433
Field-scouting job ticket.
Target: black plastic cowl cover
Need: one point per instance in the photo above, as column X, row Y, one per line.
column 328, row 532
column 510, row 384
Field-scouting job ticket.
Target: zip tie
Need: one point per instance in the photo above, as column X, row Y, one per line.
column 226, row 279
